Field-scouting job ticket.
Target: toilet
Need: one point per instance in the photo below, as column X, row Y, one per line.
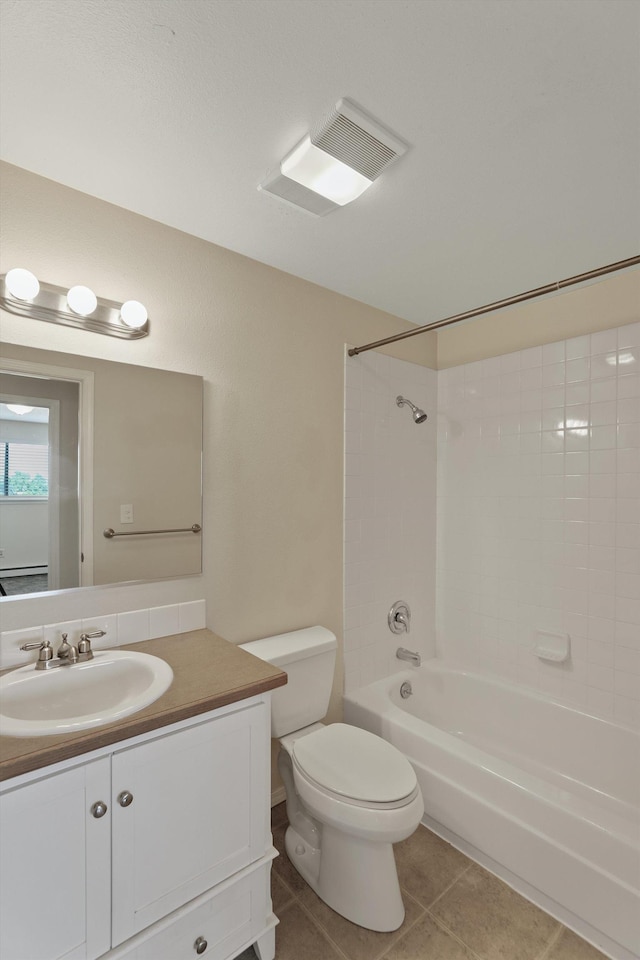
column 350, row 794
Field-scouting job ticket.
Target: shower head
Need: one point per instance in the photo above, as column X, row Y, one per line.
column 418, row 415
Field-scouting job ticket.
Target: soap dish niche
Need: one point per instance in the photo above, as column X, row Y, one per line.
column 554, row 647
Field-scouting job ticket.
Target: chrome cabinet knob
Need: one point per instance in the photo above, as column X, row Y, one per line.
column 98, row 809
column 200, row 945
column 125, row 798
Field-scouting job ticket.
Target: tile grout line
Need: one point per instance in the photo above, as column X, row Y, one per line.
column 552, row 942
column 319, row 926
column 377, row 956
column 442, row 925
column 452, row 884
column 422, row 914
column 555, row 936
column 284, row 884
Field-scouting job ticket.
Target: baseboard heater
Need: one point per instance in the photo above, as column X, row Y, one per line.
column 24, row 571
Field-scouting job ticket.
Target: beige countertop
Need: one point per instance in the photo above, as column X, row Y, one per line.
column 208, row 672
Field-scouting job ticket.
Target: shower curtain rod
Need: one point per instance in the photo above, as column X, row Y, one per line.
column 499, row 304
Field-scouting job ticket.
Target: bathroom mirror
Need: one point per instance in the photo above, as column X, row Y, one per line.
column 88, row 446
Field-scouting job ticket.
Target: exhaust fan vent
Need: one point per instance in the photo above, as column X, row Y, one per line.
column 349, row 135
column 335, row 163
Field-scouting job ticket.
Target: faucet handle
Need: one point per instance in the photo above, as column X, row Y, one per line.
column 44, row 646
column 84, row 647
column 399, row 617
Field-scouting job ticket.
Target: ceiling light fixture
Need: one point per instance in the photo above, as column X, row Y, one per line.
column 22, row 295
column 336, row 162
column 324, row 174
column 18, row 408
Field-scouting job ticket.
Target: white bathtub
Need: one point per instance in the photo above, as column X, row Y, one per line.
column 546, row 796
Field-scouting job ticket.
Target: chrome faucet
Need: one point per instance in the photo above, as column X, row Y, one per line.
column 409, row 655
column 67, row 654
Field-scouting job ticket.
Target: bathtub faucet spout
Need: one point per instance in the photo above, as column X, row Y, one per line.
column 410, row 655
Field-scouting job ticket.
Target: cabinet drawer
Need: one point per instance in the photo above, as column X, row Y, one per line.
column 227, row 920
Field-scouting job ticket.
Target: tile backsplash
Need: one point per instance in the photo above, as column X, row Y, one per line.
column 130, row 627
column 539, row 517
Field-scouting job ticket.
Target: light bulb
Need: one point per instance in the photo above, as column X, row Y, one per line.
column 133, row 314
column 22, row 284
column 19, row 408
column 82, row 300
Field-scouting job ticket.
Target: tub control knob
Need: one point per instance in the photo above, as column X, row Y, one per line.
column 300, row 849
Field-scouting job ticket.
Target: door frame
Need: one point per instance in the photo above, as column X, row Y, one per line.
column 85, row 381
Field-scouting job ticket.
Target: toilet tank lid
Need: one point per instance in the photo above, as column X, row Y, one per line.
column 296, row 645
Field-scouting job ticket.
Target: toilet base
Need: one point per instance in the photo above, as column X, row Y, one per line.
column 357, row 878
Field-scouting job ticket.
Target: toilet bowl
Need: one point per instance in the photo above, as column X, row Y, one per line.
column 350, row 794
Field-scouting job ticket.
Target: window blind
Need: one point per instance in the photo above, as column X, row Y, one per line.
column 24, row 469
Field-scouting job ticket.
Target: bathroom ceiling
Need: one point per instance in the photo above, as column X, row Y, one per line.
column 522, row 119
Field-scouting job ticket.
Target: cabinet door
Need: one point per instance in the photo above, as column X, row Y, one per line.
column 55, row 867
column 197, row 815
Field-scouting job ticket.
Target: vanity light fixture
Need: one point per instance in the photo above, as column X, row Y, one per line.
column 336, row 162
column 22, row 284
column 22, row 295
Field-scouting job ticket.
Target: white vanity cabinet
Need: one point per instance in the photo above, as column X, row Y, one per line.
column 180, row 857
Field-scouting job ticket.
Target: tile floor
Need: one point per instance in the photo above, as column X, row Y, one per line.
column 455, row 910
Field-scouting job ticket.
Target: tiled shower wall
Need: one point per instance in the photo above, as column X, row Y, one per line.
column 539, row 517
column 390, row 516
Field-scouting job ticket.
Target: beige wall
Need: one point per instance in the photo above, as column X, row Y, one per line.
column 608, row 303
column 271, row 350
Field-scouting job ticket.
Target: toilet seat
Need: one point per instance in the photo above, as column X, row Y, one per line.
column 320, row 789
column 355, row 766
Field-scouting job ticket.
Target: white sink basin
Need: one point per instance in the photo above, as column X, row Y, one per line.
column 113, row 685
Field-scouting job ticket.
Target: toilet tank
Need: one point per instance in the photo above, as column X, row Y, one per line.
column 308, row 657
